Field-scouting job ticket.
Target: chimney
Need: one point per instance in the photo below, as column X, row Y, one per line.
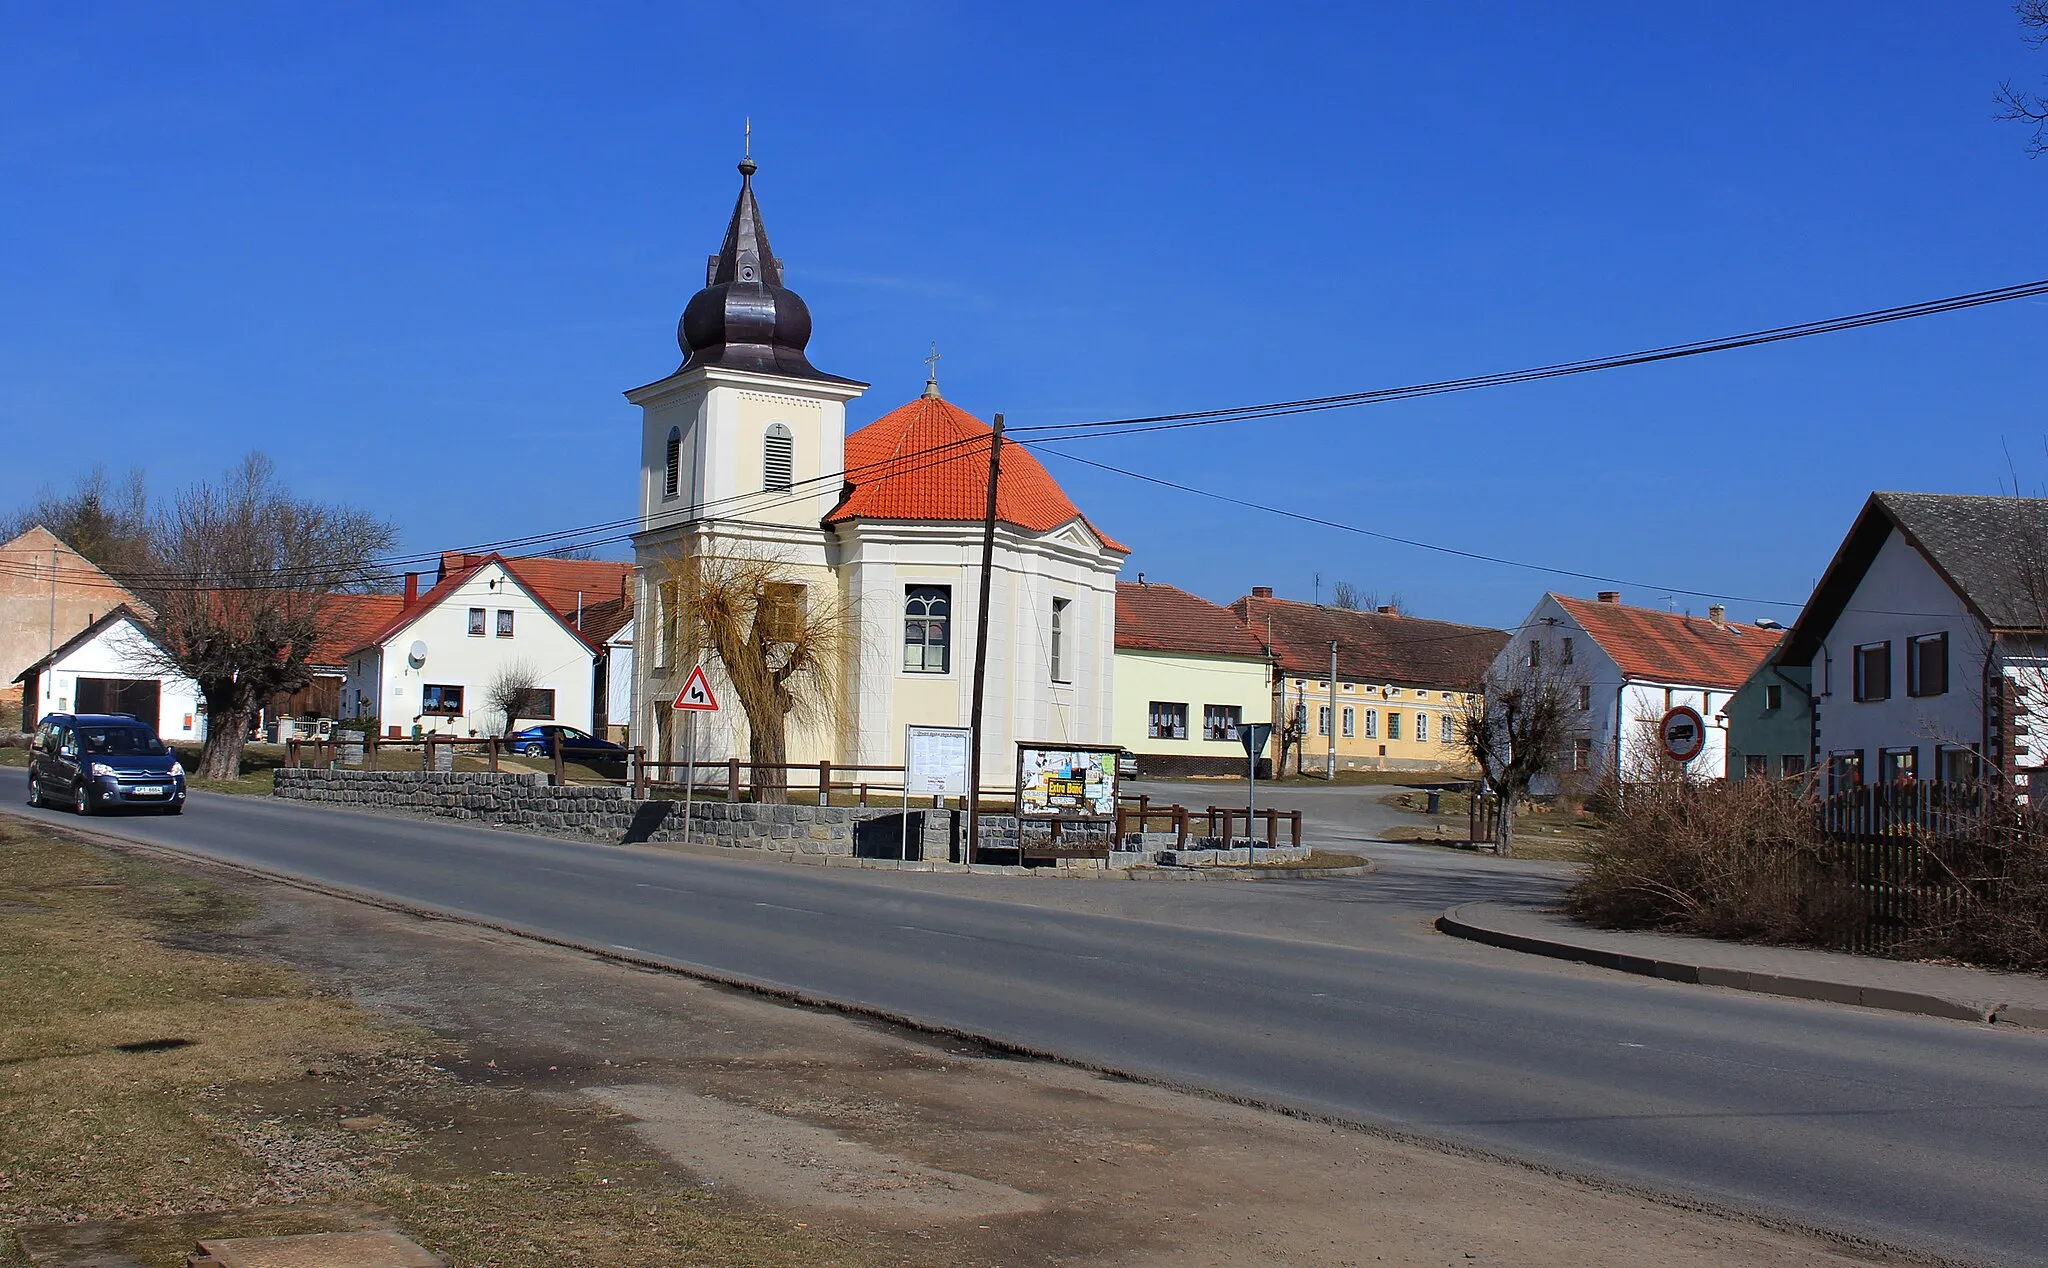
column 412, row 588
column 1610, row 596
column 1718, row 614
column 1262, row 592
column 1387, row 609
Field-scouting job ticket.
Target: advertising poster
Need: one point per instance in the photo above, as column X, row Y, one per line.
column 1066, row 781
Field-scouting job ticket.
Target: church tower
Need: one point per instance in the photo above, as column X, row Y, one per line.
column 742, row 448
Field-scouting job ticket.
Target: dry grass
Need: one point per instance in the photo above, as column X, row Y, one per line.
column 246, row 1100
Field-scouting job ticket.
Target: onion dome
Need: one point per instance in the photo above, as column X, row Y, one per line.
column 744, row 318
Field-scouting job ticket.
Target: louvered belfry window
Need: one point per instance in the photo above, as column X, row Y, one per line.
column 777, row 458
column 675, row 463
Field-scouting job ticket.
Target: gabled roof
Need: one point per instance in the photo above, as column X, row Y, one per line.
column 1666, row 647
column 928, row 460
column 558, row 582
column 31, row 551
column 348, row 621
column 453, row 580
column 1992, row 551
column 92, row 631
column 1157, row 618
column 1372, row 646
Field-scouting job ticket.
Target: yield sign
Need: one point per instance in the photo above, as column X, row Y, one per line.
column 696, row 693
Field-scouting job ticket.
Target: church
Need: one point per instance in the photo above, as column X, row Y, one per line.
column 745, row 453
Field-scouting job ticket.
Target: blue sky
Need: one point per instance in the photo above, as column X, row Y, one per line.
column 416, row 252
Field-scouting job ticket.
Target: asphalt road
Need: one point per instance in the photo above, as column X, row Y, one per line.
column 1324, row 996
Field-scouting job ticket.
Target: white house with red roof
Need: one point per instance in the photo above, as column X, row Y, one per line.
column 427, row 668
column 1189, row 677
column 1625, row 667
column 745, row 450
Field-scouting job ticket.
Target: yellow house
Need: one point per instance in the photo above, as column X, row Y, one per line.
column 1399, row 686
column 1188, row 676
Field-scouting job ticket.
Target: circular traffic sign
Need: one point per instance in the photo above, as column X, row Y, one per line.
column 1683, row 733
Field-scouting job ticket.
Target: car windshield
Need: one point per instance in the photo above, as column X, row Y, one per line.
column 121, row 741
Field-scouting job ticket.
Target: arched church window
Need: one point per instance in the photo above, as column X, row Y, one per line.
column 675, row 463
column 927, row 629
column 777, row 455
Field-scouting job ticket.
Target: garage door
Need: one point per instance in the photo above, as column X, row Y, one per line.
column 139, row 696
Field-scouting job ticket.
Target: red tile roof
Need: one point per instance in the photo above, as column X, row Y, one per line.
column 1155, row 618
column 1372, row 646
column 349, row 621
column 928, row 460
column 1666, row 647
column 554, row 582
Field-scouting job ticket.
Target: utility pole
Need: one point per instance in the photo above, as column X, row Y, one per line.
column 1330, row 762
column 988, row 568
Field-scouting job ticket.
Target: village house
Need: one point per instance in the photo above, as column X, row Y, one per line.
column 1400, row 682
column 1189, row 676
column 113, row 665
column 1926, row 641
column 1625, row 667
column 745, row 452
column 48, row 593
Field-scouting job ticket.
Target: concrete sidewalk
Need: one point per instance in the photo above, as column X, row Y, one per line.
column 1931, row 990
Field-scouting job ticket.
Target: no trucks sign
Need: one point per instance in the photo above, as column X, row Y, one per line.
column 1683, row 733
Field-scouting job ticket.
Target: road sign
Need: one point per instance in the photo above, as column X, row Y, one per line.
column 1253, row 735
column 1683, row 733
column 696, row 693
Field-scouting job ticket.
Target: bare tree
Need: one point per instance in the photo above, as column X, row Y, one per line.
column 242, row 579
column 107, row 523
column 1518, row 728
column 1351, row 599
column 510, row 694
column 780, row 642
column 2028, row 107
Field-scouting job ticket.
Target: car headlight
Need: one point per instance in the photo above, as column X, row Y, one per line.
column 176, row 770
column 100, row 769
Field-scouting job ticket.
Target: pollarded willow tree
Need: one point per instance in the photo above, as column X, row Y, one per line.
column 781, row 643
column 243, row 577
column 1520, row 726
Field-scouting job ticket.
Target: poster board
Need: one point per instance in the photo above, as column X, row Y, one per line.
column 1069, row 782
column 935, row 760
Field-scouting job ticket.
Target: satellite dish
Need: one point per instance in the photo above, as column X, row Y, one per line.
column 417, row 652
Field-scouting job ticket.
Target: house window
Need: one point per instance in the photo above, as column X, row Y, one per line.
column 1350, row 686
column 1393, row 691
column 1898, row 765
column 440, row 700
column 1845, row 770
column 1444, row 733
column 1957, row 765
column 927, row 629
column 1166, row 721
column 1874, row 671
column 1774, row 698
column 781, row 618
column 1792, row 764
column 535, row 704
column 1582, row 754
column 504, row 623
column 1393, row 725
column 1585, row 698
column 777, row 458
column 1756, row 764
column 1350, row 722
column 1059, row 632
column 673, row 478
column 1323, row 720
column 1372, row 724
column 1220, row 721
column 476, row 622
column 1566, row 657
column 1422, row 728
column 1535, row 653
column 1927, row 665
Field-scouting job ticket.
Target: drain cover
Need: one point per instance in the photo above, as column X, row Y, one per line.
column 313, row 1250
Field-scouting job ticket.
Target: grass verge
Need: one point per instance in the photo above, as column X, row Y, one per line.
column 178, row 1091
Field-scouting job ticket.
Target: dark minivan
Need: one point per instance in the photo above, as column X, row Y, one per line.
column 96, row 761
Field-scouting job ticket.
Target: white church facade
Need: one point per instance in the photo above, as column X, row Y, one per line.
column 745, row 451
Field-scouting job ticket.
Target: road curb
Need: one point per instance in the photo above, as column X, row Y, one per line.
column 1457, row 924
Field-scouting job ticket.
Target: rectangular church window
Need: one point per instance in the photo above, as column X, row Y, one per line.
column 928, row 629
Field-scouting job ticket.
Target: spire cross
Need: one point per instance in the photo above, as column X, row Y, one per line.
column 932, row 361
column 747, row 151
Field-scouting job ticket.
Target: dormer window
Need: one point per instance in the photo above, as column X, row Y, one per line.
column 777, row 458
column 673, row 479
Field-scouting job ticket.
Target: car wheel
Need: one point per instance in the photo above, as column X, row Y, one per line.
column 531, row 750
column 81, row 799
column 35, row 791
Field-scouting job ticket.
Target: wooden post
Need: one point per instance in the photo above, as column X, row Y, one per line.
column 370, row 749
column 1180, row 824
column 825, row 782
column 1295, row 815
column 427, row 754
column 988, row 567
column 561, row 772
column 491, row 748
column 639, row 760
column 1272, row 827
column 291, row 753
column 732, row 779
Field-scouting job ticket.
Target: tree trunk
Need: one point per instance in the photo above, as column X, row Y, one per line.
column 227, row 730
column 1504, row 831
column 768, row 747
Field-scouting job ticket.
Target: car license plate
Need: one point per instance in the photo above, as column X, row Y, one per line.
column 146, row 792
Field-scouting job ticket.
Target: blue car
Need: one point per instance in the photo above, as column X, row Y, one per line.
column 97, row 761
column 577, row 745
